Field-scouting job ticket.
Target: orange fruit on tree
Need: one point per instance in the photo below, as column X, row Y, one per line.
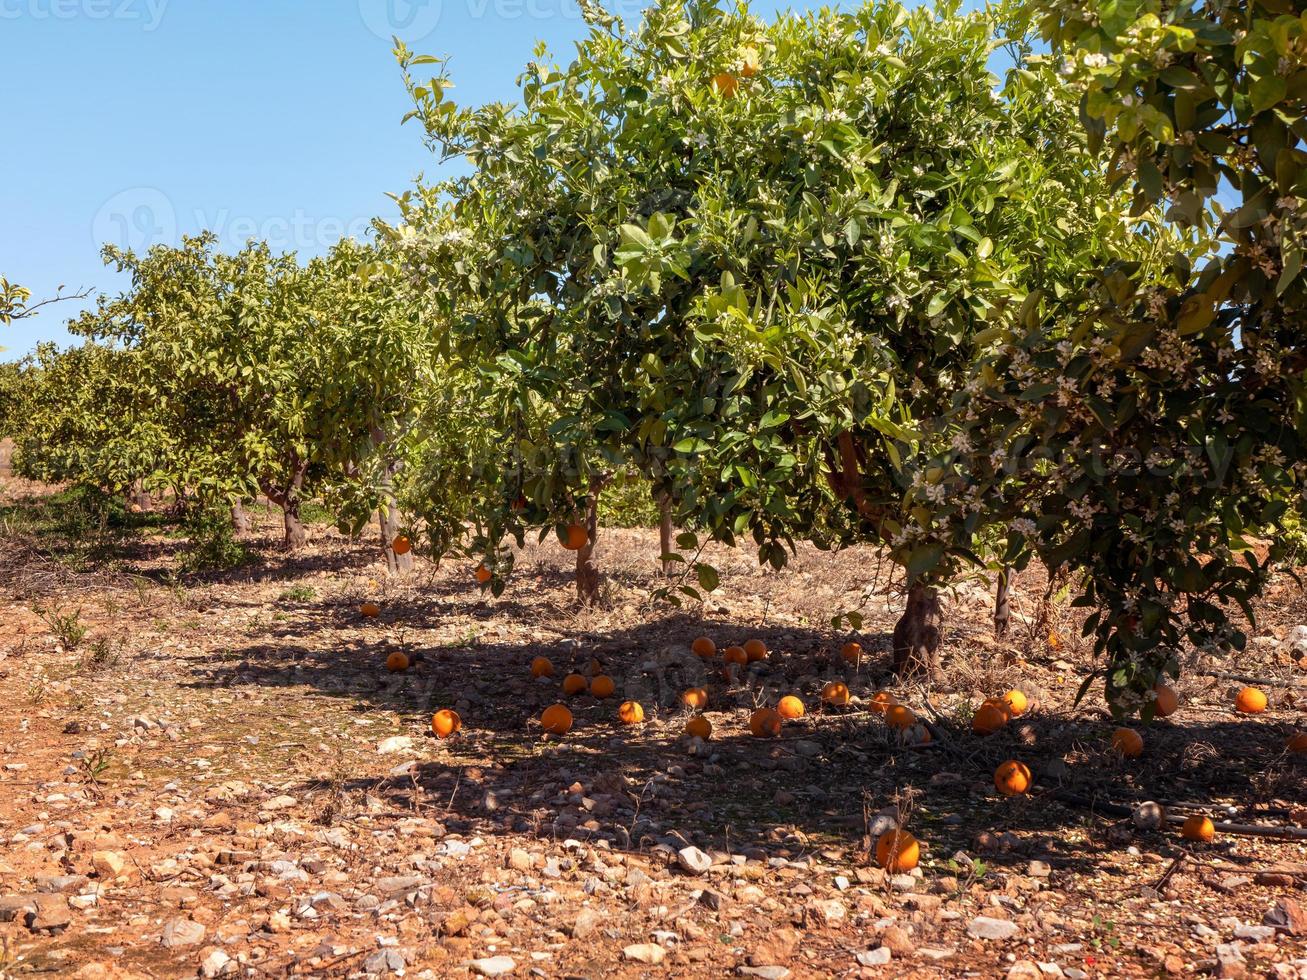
column 370, row 609
column 835, row 692
column 1250, row 701
column 542, row 667
column 900, row 716
column 765, row 723
column 483, row 575
column 897, row 851
column 704, row 647
column 396, row 662
column 882, row 701
column 401, row 545
column 1297, row 743
column 700, row 727
column 790, row 707
column 630, row 713
column 556, row 719
column 1198, row 828
column 988, row 719
column 755, row 650
column 574, row 684
column 602, row 686
column 735, row 655
column 1128, row 742
column 1012, row 778
column 852, row 653
column 1016, row 702
column 694, row 697
column 750, row 62
column 1166, row 700
column 445, row 723
column 726, row 84
column 575, row 537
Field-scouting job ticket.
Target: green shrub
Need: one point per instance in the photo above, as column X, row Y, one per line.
column 628, row 502
column 212, row 545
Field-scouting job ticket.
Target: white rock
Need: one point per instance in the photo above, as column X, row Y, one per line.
column 693, row 860
column 650, row 953
column 875, row 957
column 493, row 966
column 396, row 743
column 983, row 927
column 214, row 964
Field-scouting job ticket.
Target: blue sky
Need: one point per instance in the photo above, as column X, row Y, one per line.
column 141, row 120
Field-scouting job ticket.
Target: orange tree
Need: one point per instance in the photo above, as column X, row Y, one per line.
column 268, row 376
column 1139, row 430
column 748, row 258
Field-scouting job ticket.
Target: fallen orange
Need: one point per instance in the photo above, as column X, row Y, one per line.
column 897, row 851
column 790, row 707
column 445, row 723
column 556, row 719
column 765, row 723
column 630, row 713
column 1012, row 778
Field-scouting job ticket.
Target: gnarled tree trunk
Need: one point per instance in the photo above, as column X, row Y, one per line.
column 288, row 499
column 1002, row 602
column 587, row 570
column 240, row 520
column 917, row 634
column 141, row 497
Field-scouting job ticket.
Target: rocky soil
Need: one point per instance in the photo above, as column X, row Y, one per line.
column 221, row 779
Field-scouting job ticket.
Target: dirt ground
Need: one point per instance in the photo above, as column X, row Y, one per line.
column 220, row 778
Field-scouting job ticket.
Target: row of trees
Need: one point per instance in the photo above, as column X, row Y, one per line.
column 822, row 278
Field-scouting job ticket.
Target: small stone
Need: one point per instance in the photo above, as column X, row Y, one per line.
column 493, row 966
column 16, row 906
column 1287, row 916
column 827, row 912
column 1024, row 970
column 765, row 972
column 1258, row 934
column 778, row 947
column 51, row 915
column 897, row 941
column 182, row 932
column 396, row 743
column 1039, row 869
column 108, row 864
column 214, row 964
column 1229, row 961
column 933, row 953
column 693, row 861
column 650, row 953
column 586, row 924
column 983, row 927
column 279, row 803
column 875, row 957
column 520, row 860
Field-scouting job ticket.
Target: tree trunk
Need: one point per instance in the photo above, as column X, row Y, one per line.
column 665, row 531
column 1002, row 605
column 917, row 634
column 296, row 536
column 140, row 497
column 240, row 520
column 587, row 571
column 388, row 516
column 288, row 499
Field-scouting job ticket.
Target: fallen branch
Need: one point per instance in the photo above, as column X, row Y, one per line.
column 1224, row 827
column 1226, row 675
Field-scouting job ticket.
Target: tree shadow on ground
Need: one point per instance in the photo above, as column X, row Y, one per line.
column 818, row 786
